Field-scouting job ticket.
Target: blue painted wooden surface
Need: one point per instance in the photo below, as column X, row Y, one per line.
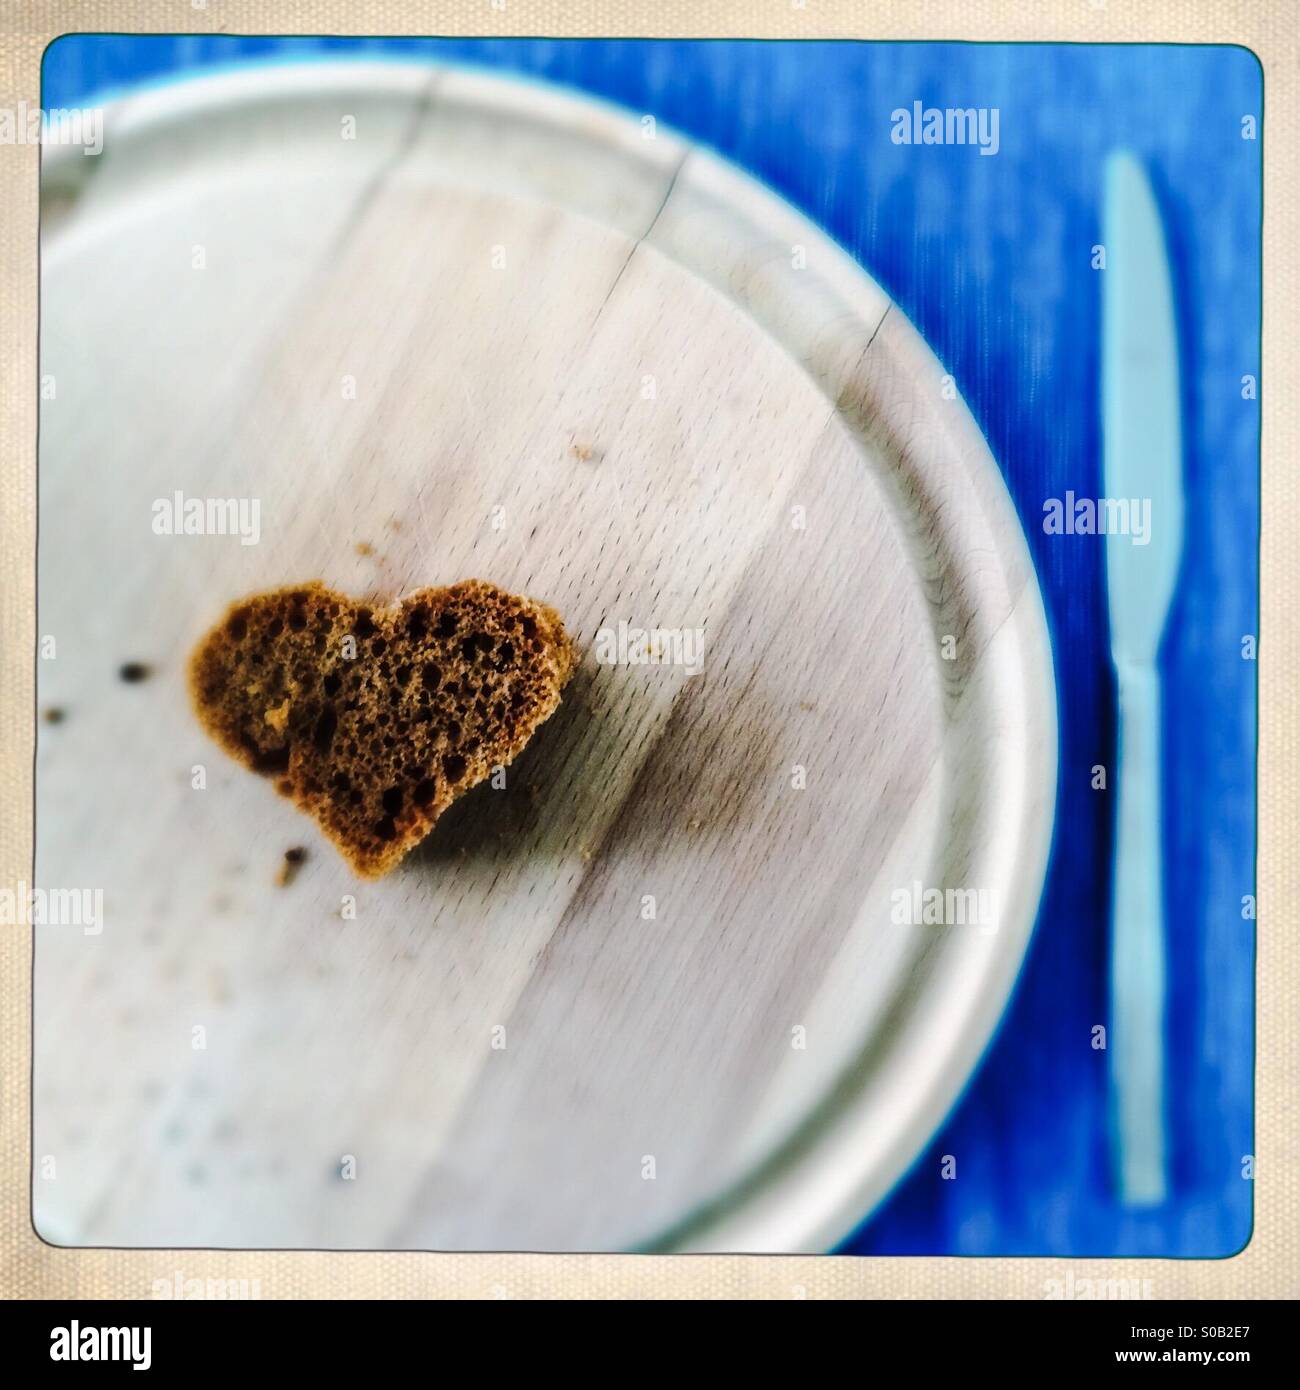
column 991, row 258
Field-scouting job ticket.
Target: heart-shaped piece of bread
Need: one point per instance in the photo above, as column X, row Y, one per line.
column 374, row 720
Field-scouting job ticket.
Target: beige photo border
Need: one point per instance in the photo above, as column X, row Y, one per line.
column 1269, row 1267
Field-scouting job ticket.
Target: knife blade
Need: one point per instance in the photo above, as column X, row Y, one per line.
column 1142, row 464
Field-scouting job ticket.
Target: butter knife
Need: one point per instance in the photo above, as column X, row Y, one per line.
column 1142, row 464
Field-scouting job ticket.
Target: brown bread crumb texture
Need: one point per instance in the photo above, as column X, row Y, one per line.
column 375, row 745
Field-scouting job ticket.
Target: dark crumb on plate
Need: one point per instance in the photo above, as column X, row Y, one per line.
column 293, row 860
column 134, row 671
column 53, row 715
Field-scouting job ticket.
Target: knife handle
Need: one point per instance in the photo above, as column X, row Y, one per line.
column 1137, row 952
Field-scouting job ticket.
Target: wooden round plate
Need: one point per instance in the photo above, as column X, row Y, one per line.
column 678, row 984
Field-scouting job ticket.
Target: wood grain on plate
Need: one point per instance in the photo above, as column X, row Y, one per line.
column 502, row 334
